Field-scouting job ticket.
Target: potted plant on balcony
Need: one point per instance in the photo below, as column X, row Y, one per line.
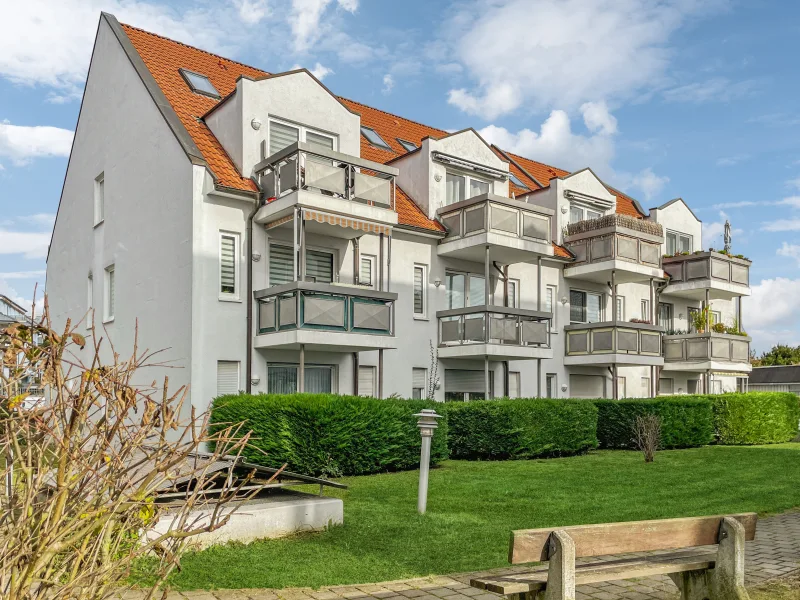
column 700, row 319
column 719, row 328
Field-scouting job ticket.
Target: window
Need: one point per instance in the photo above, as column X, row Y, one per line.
column 585, row 307
column 645, row 310
column 420, row 290
column 513, row 293
column 419, row 379
column 645, row 387
column 99, row 199
column 465, row 289
column 691, row 311
column 665, row 386
column 513, row 384
column 462, row 187
column 319, row 265
column 460, row 385
column 621, row 388
column 200, row 84
column 374, row 139
column 581, row 213
column 366, row 274
column 282, row 135
column 109, row 293
column 517, row 181
column 366, row 381
column 551, row 385
column 282, row 379
column 620, row 308
column 693, row 386
column 409, row 146
column 89, row 301
column 678, row 242
column 228, row 265
column 549, row 304
column 665, row 316
column 227, row 377
column 716, row 317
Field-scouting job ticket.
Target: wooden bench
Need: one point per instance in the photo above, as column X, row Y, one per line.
column 699, row 573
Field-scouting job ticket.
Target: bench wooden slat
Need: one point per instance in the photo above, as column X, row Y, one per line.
column 536, row 580
column 531, row 545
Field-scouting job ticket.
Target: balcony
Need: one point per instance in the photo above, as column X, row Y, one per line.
column 724, row 276
column 341, row 195
column 516, row 231
column 324, row 317
column 613, row 342
column 699, row 352
column 494, row 332
column 629, row 247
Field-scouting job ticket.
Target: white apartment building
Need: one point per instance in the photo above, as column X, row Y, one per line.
column 274, row 237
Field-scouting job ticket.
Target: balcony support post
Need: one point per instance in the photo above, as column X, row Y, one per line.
column 739, row 313
column 294, row 245
column 486, row 375
column 651, row 316
column 380, row 266
column 356, row 261
column 380, row 373
column 302, row 246
column 486, row 274
column 539, row 291
column 614, row 386
column 538, row 377
column 355, row 373
column 301, row 384
column 614, row 314
column 707, row 308
column 389, row 263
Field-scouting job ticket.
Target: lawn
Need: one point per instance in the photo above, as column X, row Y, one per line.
column 473, row 506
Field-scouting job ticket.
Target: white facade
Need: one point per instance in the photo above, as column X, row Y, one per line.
column 177, row 251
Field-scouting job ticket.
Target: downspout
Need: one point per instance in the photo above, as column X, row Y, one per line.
column 249, row 369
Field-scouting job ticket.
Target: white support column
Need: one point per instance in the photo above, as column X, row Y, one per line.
column 302, row 246
column 486, row 376
column 294, row 246
column 301, row 384
column 380, row 373
column 614, row 296
column 538, row 377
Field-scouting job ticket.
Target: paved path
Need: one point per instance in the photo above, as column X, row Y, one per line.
column 774, row 553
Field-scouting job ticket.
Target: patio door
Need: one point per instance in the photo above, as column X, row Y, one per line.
column 283, row 379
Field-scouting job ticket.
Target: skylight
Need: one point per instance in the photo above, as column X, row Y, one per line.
column 200, row 84
column 374, row 138
column 516, row 181
column 409, row 146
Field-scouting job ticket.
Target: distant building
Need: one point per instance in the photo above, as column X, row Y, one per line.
column 11, row 312
column 784, row 378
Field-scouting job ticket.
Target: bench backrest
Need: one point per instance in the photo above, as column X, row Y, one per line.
column 532, row 545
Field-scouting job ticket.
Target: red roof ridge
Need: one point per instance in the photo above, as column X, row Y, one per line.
column 185, row 45
column 538, row 162
column 386, row 112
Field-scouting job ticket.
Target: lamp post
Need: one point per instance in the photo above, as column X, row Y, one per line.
column 426, row 421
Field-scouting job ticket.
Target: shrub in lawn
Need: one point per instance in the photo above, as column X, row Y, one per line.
column 647, row 435
column 519, row 429
column 686, row 421
column 756, row 417
column 325, row 434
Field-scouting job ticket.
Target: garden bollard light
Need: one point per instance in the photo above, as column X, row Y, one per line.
column 426, row 421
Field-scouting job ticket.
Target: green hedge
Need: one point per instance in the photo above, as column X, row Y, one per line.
column 686, row 421
column 323, row 434
column 519, row 429
column 756, row 417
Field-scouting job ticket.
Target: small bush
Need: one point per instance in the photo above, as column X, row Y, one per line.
column 520, row 429
column 756, row 417
column 686, row 421
column 647, row 435
column 324, row 434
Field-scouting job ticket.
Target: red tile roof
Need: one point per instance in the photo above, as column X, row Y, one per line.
column 561, row 252
column 165, row 57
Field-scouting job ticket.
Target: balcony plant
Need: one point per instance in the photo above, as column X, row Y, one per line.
column 700, row 319
column 719, row 328
column 645, row 321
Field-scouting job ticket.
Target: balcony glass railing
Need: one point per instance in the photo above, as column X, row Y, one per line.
column 704, row 347
column 615, row 237
column 613, row 338
column 494, row 325
column 324, row 306
column 308, row 167
column 708, row 266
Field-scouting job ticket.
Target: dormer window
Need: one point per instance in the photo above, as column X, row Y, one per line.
column 283, row 135
column 375, row 139
column 582, row 213
column 678, row 242
column 409, row 146
column 461, row 187
column 200, row 84
column 517, row 181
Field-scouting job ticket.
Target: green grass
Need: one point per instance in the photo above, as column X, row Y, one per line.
column 473, row 506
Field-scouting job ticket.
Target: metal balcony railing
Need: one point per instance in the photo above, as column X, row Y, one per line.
column 325, row 306
column 488, row 213
column 615, row 237
column 494, row 325
column 309, row 167
column 709, row 266
column 613, row 337
column 704, row 347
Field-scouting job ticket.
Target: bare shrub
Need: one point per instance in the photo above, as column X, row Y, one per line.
column 647, row 435
column 433, row 379
column 83, row 467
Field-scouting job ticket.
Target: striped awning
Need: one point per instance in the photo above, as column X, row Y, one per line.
column 279, row 222
column 366, row 227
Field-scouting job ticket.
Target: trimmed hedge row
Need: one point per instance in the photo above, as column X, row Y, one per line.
column 520, row 429
column 686, row 421
column 756, row 417
column 323, row 434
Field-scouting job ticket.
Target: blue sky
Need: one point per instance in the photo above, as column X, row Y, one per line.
column 662, row 98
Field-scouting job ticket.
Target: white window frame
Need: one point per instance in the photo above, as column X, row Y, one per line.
column 645, row 304
column 586, row 305
column 645, row 382
column 467, row 181
column 302, row 130
column 585, row 210
column 518, row 375
column 423, row 391
column 89, row 300
column 553, row 291
column 334, row 370
column 672, row 385
column 424, row 314
column 237, row 259
column 99, row 199
column 109, row 294
column 513, row 297
column 624, row 388
column 620, row 308
column 554, row 386
column 333, row 252
column 238, row 364
column 679, row 236
column 372, row 259
column 467, row 275
column 373, row 371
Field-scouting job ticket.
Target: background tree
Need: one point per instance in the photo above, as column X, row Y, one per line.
column 781, row 354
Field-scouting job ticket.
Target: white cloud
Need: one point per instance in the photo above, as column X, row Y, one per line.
column 23, row 275
column 22, row 143
column 28, row 244
column 716, row 89
column 781, row 225
column 7, row 290
column 252, row 12
column 648, row 183
column 790, row 251
column 778, row 323
column 580, row 52
column 742, row 204
column 388, row 83
column 729, row 161
column 794, row 183
column 305, row 20
column 350, row 6
column 318, row 70
column 714, row 232
column 597, row 118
